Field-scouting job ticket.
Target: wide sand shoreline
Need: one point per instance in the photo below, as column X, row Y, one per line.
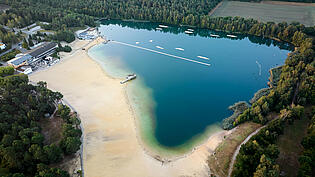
column 111, row 145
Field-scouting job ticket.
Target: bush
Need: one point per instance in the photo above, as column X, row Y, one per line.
column 66, row 36
column 6, row 71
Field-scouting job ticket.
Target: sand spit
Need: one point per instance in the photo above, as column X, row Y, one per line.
column 110, row 144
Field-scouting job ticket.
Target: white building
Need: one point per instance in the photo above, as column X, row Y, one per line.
column 2, row 46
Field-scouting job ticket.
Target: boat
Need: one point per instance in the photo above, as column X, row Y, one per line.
column 206, row 58
column 158, row 28
column 229, row 35
column 150, row 40
column 163, row 26
column 137, row 42
column 214, row 35
column 159, row 47
column 189, row 32
column 129, row 78
column 181, row 49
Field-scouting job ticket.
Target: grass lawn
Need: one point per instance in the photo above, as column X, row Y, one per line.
column 290, row 146
column 219, row 163
column 267, row 12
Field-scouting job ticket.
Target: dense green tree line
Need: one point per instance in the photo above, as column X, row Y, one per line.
column 22, row 148
column 61, row 13
column 26, row 12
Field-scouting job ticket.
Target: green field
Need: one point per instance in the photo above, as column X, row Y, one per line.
column 267, row 12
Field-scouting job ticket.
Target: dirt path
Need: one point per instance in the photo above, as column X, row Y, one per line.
column 239, row 147
column 214, row 9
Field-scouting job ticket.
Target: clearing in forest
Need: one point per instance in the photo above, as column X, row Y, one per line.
column 266, row 11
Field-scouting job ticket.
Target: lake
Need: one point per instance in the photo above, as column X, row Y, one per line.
column 176, row 99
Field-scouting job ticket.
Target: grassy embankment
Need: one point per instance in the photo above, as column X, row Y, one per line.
column 219, row 161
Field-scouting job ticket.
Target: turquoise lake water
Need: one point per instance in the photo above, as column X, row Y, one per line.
column 177, row 100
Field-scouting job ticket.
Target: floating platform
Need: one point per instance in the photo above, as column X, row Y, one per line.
column 181, row 49
column 202, row 57
column 159, row 47
column 232, row 36
column 214, row 35
column 129, row 78
column 163, row 26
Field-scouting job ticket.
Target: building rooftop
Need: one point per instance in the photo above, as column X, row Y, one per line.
column 20, row 60
column 42, row 49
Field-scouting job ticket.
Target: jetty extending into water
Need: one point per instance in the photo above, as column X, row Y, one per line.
column 129, row 78
column 162, row 53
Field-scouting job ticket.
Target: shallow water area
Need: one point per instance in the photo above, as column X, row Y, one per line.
column 179, row 102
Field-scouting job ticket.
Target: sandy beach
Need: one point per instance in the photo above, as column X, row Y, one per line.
column 111, row 147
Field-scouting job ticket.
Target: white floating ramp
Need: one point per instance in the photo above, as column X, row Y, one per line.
column 181, row 49
column 202, row 57
column 163, row 26
column 159, row 47
column 162, row 53
column 189, row 32
column 214, row 35
column 232, row 36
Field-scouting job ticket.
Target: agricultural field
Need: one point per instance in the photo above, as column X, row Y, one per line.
column 267, row 11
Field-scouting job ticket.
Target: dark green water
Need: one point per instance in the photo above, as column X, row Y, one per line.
column 187, row 96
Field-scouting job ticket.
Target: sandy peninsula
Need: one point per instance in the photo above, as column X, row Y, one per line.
column 110, row 144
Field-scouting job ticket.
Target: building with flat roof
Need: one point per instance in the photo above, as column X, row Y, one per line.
column 44, row 50
column 35, row 55
column 20, row 61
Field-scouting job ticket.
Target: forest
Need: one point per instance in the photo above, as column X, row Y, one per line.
column 23, row 149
